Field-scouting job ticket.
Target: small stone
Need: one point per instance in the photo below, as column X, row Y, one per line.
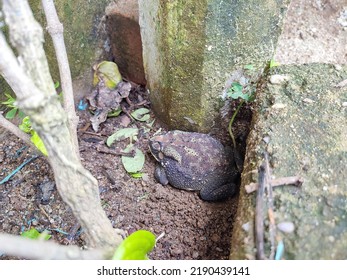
column 195, row 255
column 308, row 100
column 287, row 227
column 279, row 106
column 279, row 79
column 344, row 104
column 331, row 238
column 246, row 227
column 266, row 139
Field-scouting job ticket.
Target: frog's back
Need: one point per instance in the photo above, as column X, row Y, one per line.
column 203, row 161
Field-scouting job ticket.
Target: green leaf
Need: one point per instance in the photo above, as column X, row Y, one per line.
column 33, row 233
column 136, row 175
column 133, row 164
column 10, row 101
column 135, row 246
column 273, row 63
column 235, row 95
column 141, row 114
column 109, row 73
column 37, row 141
column 56, row 85
column 114, row 113
column 25, row 125
column 121, row 135
column 235, row 86
column 11, row 114
column 21, row 114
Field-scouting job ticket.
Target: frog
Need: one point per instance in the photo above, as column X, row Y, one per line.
column 196, row 162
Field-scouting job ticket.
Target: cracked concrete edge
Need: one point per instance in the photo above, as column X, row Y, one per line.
column 300, row 120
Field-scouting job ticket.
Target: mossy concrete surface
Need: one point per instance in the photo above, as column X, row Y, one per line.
column 301, row 123
column 191, row 48
column 83, row 35
column 85, row 40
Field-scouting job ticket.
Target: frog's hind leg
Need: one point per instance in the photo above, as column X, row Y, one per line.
column 223, row 192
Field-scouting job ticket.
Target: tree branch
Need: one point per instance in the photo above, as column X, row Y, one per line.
column 15, row 130
column 35, row 249
column 55, row 29
column 36, row 96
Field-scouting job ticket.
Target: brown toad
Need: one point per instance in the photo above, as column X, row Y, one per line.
column 194, row 161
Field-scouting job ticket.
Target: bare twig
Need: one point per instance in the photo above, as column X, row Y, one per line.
column 272, row 225
column 283, row 181
column 44, row 213
column 55, row 29
column 98, row 135
column 15, row 130
column 35, row 249
column 117, row 152
column 259, row 217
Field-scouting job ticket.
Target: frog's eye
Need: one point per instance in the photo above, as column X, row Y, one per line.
column 156, row 146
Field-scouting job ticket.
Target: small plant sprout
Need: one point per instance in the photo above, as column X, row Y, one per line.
column 273, row 63
column 35, row 138
column 25, row 126
column 14, row 111
column 238, row 91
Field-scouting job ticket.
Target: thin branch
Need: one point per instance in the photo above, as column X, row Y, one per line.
column 259, row 217
column 272, row 225
column 28, row 43
column 283, row 181
column 55, row 29
column 35, row 249
column 15, row 130
column 16, row 78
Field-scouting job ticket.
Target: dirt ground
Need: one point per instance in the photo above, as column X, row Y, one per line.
column 193, row 229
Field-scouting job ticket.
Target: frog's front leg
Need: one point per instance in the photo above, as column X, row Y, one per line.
column 160, row 175
column 214, row 193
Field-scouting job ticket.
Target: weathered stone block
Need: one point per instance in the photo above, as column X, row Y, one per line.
column 300, row 120
column 191, row 48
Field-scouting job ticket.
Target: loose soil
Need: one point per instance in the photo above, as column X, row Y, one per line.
column 193, row 229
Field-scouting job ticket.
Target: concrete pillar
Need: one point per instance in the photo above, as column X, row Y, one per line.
column 191, row 48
